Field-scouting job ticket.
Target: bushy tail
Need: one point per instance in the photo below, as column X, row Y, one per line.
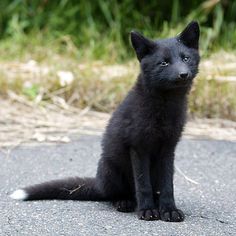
column 66, row 189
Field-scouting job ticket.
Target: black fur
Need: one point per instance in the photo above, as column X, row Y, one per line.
column 136, row 165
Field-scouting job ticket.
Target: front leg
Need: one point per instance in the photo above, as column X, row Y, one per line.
column 143, row 187
column 167, row 208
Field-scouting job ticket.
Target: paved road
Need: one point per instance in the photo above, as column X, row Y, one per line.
column 209, row 206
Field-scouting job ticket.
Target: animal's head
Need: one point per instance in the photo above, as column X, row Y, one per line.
column 168, row 63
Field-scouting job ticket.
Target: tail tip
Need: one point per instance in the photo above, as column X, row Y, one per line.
column 19, row 194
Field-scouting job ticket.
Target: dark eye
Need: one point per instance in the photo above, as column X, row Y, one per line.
column 164, row 63
column 185, row 59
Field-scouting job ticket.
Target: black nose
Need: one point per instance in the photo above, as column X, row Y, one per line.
column 183, row 75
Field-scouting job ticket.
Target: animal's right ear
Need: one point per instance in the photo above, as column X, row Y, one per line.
column 142, row 46
column 190, row 35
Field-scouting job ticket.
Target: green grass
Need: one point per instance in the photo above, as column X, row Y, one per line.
column 99, row 30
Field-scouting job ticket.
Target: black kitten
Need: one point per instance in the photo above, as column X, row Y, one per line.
column 136, row 165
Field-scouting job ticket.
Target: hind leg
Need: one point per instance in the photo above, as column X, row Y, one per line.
column 115, row 180
column 118, row 190
column 112, row 182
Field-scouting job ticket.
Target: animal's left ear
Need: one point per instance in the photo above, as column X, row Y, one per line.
column 190, row 35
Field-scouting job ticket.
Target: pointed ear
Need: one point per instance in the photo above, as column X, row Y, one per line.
column 141, row 45
column 190, row 35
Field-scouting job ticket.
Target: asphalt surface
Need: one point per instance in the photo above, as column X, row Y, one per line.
column 210, row 206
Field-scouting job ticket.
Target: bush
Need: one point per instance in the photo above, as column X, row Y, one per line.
column 100, row 28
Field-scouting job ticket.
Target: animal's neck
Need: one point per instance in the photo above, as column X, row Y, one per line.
column 173, row 94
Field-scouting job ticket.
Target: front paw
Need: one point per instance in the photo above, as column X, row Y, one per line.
column 148, row 214
column 171, row 215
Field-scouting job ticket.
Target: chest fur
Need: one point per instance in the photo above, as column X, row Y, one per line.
column 157, row 122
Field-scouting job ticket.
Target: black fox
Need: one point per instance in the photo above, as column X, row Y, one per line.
column 136, row 166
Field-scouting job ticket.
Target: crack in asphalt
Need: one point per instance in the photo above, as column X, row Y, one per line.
column 209, row 218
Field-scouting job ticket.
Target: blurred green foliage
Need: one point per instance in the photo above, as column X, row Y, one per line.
column 99, row 29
